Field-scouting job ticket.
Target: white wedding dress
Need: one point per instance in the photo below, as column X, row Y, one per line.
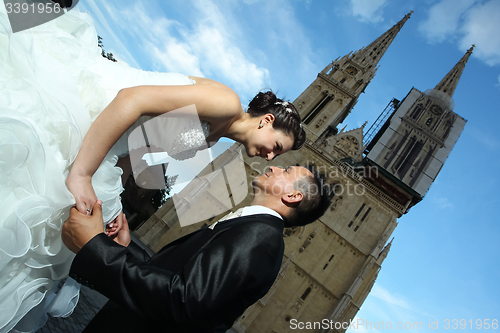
column 53, row 84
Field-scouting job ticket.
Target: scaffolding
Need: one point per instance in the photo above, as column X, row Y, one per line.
column 381, row 120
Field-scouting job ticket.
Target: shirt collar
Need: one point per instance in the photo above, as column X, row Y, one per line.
column 258, row 209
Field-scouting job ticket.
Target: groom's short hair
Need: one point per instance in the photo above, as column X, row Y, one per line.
column 316, row 200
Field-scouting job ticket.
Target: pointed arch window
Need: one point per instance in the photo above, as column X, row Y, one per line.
column 405, row 152
column 360, row 210
column 417, row 111
column 305, row 294
column 320, row 106
column 366, row 214
column 409, row 157
column 358, row 84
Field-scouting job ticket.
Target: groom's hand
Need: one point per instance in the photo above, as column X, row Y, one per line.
column 80, row 228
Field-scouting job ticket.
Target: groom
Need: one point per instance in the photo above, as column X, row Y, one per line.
column 203, row 281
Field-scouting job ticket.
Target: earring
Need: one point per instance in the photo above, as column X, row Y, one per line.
column 261, row 125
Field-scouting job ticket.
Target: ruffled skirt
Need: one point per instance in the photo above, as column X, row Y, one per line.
column 53, row 84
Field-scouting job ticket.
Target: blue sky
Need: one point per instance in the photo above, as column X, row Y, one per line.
column 444, row 259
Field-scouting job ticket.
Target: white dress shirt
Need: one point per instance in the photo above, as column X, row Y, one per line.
column 248, row 210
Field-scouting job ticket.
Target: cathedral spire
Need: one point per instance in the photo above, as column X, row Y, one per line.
column 332, row 96
column 450, row 81
column 371, row 54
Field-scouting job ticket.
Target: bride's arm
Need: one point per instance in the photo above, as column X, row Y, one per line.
column 214, row 102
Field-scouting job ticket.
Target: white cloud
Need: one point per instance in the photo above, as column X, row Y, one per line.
column 444, row 19
column 227, row 46
column 466, row 22
column 384, row 311
column 251, row 2
column 154, row 34
column 286, row 30
column 220, row 57
column 101, row 21
column 287, row 46
column 482, row 27
column 212, row 41
column 177, row 57
column 387, row 297
column 208, row 48
column 368, row 10
column 444, row 203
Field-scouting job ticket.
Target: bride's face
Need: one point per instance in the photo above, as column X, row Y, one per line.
column 267, row 143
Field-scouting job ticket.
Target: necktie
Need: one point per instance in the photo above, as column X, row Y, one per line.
column 231, row 215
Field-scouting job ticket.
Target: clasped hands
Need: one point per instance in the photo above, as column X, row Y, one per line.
column 80, row 228
column 85, row 198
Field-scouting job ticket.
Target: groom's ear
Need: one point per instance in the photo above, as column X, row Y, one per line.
column 293, row 197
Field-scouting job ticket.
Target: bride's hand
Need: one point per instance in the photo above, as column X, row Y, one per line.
column 114, row 227
column 82, row 190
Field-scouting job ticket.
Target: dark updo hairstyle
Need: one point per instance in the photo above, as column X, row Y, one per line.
column 286, row 117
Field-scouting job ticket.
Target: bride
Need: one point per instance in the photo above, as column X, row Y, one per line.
column 55, row 90
column 270, row 127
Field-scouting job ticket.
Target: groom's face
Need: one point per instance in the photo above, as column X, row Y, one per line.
column 278, row 181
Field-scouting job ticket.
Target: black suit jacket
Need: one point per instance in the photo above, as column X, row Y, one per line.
column 201, row 282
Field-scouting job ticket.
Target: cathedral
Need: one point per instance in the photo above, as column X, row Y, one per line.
column 376, row 175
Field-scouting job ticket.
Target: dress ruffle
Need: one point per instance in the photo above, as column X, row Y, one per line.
column 53, row 84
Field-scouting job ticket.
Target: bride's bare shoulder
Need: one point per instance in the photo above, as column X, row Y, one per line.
column 209, row 82
column 203, row 80
column 221, row 95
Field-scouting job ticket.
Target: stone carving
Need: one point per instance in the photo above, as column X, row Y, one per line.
column 349, row 145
